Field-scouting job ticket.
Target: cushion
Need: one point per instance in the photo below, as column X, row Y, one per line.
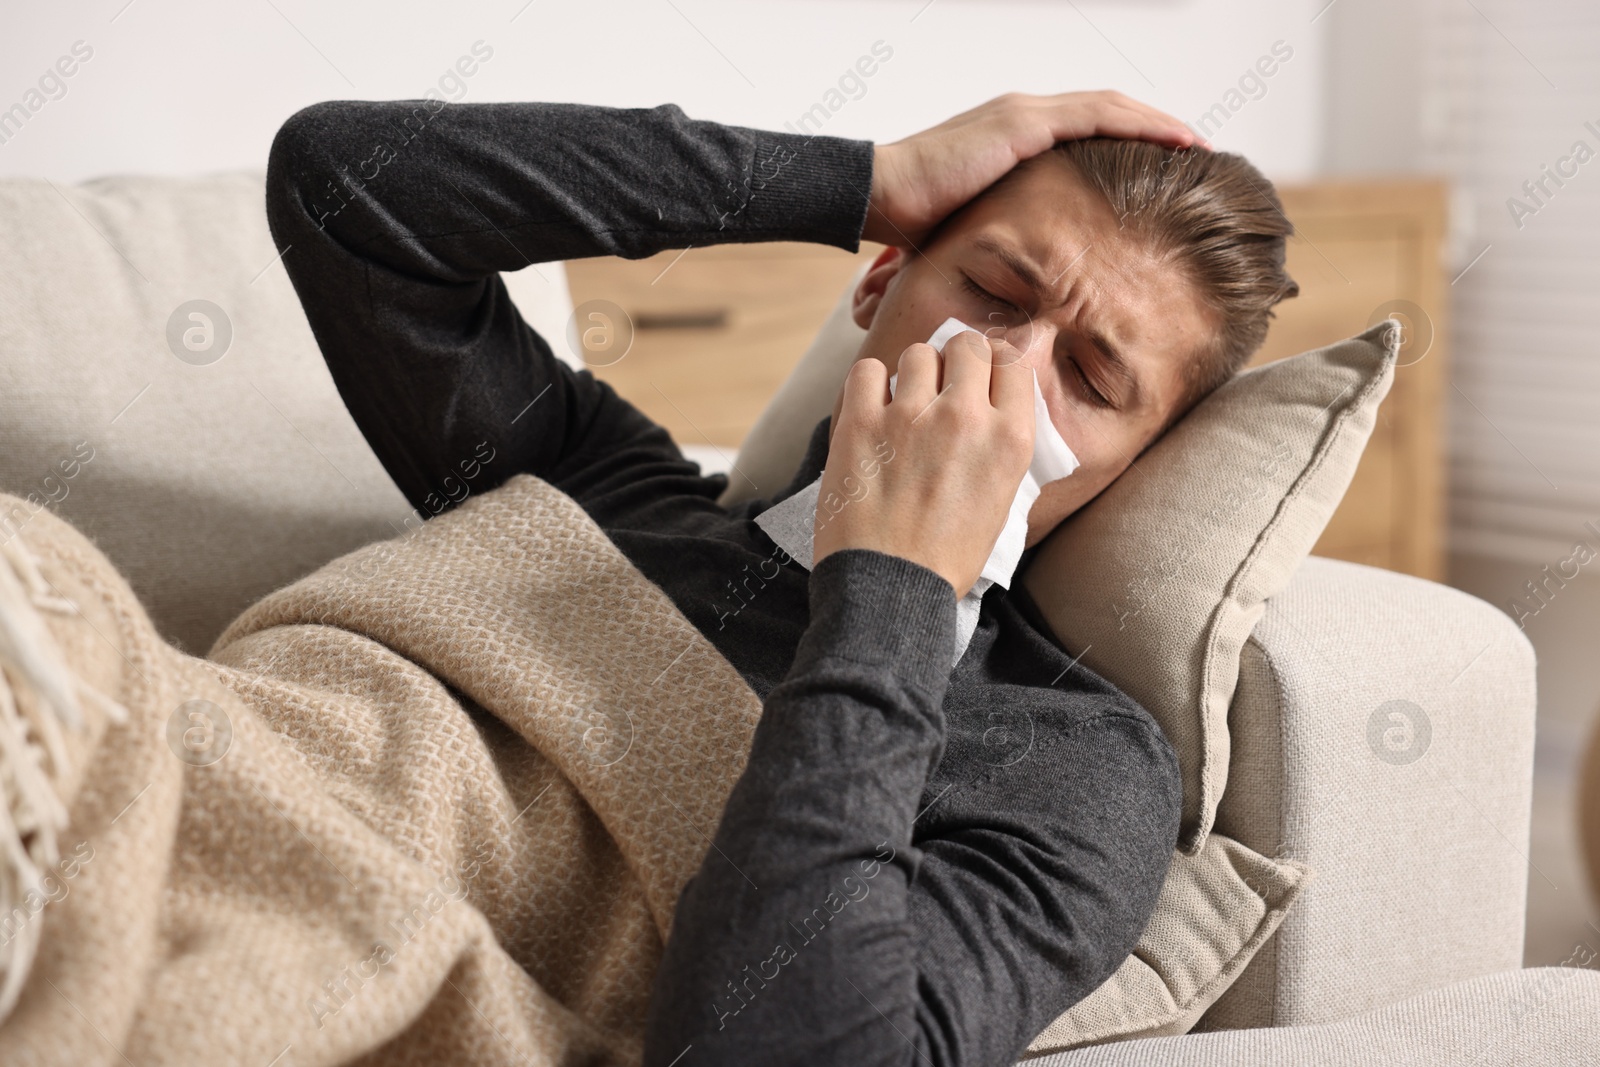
column 211, row 477
column 1216, row 908
column 1159, row 579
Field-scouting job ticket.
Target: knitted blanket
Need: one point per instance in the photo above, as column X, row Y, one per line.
column 431, row 804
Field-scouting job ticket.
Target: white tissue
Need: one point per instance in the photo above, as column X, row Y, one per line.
column 791, row 522
column 1052, row 459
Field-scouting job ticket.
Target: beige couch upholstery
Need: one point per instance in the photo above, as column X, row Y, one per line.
column 1547, row 1017
column 214, row 481
column 211, row 483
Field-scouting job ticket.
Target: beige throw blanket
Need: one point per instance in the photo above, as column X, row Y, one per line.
column 432, row 804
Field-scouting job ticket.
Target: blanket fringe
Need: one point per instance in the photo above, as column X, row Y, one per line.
column 38, row 698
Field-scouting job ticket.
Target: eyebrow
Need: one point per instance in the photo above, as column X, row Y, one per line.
column 1034, row 280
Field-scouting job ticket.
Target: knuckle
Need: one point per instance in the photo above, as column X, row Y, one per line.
column 862, row 383
column 901, row 412
column 969, row 421
column 862, row 372
column 968, row 343
column 1015, row 437
column 1016, row 110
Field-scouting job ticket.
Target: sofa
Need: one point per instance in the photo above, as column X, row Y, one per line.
column 154, row 346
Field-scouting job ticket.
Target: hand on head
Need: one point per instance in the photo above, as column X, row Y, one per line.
column 920, row 180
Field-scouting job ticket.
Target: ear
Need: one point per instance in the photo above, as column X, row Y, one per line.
column 869, row 292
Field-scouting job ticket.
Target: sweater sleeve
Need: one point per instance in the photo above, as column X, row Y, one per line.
column 813, row 859
column 394, row 218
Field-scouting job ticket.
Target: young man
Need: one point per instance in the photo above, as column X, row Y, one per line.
column 918, row 864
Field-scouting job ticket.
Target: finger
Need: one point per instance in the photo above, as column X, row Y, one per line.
column 866, row 392
column 966, row 363
column 918, row 381
column 1116, row 116
column 1169, row 129
column 1154, row 113
column 1113, row 100
column 1011, row 384
column 1109, row 98
column 1007, row 352
column 1130, row 124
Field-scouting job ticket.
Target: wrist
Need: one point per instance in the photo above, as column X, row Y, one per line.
column 803, row 187
column 959, row 585
column 874, row 607
column 876, row 227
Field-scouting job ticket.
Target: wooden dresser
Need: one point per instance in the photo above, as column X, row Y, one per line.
column 718, row 329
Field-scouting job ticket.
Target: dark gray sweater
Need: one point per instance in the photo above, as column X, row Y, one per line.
column 919, row 865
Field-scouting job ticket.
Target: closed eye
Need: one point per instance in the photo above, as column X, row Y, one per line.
column 983, row 294
column 1095, row 396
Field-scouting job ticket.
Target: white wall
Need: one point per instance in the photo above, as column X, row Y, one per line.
column 1374, row 117
column 184, row 85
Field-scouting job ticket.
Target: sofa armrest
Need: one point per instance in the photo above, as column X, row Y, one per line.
column 1382, row 733
column 1544, row 1017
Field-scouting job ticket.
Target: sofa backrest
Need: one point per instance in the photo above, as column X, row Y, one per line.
column 211, row 458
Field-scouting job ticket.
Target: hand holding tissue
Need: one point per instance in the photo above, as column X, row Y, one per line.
column 790, row 523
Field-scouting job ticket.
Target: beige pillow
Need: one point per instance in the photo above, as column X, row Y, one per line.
column 1216, row 908
column 1162, row 577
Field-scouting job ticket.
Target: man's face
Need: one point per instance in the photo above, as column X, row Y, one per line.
column 1042, row 262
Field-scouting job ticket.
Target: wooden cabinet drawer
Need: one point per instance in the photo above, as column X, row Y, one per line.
column 708, row 383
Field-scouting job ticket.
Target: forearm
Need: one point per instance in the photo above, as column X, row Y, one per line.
column 518, row 183
column 807, row 884
column 394, row 220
